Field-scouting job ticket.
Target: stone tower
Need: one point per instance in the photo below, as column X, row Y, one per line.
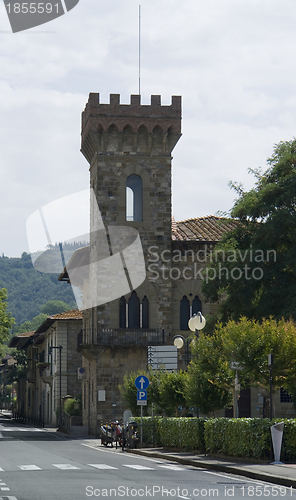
column 129, row 151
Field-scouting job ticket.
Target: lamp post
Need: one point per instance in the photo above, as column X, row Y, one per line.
column 270, row 362
column 179, row 341
column 196, row 322
column 60, row 347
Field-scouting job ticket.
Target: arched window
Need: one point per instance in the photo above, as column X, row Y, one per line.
column 196, row 305
column 122, row 313
column 145, row 313
column 157, row 138
column 134, row 198
column 134, row 311
column 112, row 143
column 184, row 313
column 127, row 139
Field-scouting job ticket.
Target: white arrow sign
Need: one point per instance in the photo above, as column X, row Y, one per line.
column 141, row 382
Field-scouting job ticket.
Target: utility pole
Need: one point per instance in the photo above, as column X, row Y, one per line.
column 270, row 363
column 60, row 347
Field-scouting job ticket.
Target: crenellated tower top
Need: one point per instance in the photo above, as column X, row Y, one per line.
column 133, row 128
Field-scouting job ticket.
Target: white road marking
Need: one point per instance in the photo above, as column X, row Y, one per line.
column 29, row 467
column 172, row 467
column 65, row 466
column 5, row 489
column 102, row 466
column 138, row 467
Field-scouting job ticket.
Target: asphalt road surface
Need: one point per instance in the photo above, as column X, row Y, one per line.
column 38, row 465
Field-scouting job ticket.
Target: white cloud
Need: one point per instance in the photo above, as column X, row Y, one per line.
column 233, row 63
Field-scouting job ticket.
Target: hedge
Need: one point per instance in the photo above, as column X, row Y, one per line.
column 187, row 433
column 233, row 437
column 248, row 437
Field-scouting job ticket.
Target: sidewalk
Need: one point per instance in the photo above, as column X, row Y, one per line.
column 281, row 474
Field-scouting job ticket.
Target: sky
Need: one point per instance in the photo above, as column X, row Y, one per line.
column 232, row 61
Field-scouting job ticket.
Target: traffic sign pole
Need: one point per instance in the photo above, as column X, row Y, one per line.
column 142, row 384
column 141, row 425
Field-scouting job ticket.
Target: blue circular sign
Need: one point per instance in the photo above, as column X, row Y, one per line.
column 142, row 382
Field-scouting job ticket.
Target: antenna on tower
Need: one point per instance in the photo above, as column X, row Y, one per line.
column 139, row 49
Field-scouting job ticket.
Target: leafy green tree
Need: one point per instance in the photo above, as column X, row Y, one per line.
column 6, row 320
column 210, row 380
column 20, row 368
column 129, row 392
column 247, row 342
column 253, row 269
column 30, row 326
column 54, row 307
column 166, row 391
column 29, row 289
column 172, row 392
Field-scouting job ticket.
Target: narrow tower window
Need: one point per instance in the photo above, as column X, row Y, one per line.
column 196, row 305
column 145, row 313
column 134, row 311
column 184, row 313
column 122, row 313
column 134, row 198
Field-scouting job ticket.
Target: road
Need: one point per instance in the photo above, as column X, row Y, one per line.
column 38, row 465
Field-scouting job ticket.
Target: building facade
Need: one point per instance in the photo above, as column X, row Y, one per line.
column 52, row 367
column 129, row 150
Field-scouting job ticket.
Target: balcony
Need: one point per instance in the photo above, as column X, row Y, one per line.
column 120, row 337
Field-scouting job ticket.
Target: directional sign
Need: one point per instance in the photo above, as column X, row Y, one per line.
column 142, row 398
column 235, row 366
column 142, row 383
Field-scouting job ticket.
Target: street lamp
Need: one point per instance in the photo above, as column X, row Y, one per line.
column 179, row 341
column 270, row 363
column 197, row 322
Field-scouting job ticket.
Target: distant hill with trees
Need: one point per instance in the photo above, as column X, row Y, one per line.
column 28, row 290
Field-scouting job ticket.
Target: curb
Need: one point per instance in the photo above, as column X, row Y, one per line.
column 279, row 480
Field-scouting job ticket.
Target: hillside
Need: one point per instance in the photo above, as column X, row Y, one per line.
column 29, row 289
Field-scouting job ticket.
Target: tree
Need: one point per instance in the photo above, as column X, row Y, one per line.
column 6, row 320
column 253, row 268
column 247, row 342
column 30, row 326
column 210, row 380
column 50, row 308
column 172, row 392
column 166, row 391
column 54, row 307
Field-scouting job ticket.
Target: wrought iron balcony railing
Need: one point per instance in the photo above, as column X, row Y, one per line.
column 121, row 337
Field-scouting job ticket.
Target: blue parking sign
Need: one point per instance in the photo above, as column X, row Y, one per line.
column 141, row 395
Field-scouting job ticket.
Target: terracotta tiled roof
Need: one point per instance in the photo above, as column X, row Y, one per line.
column 21, row 340
column 73, row 314
column 209, row 228
column 25, row 334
